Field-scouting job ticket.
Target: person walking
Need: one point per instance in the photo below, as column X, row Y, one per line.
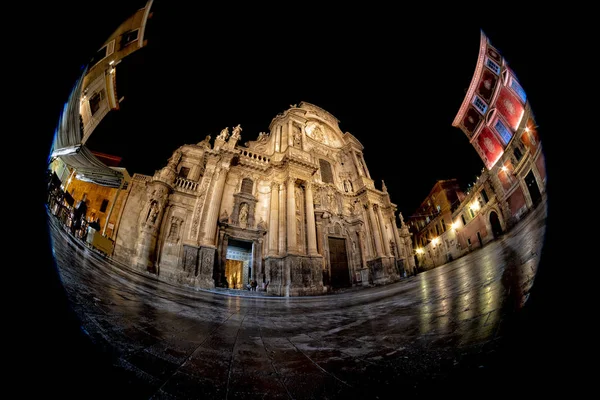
column 79, row 214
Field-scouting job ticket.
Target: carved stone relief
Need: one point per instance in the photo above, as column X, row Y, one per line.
column 174, row 229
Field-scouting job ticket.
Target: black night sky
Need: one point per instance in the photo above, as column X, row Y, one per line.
column 394, row 84
column 394, row 78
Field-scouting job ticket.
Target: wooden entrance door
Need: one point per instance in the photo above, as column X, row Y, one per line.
column 338, row 259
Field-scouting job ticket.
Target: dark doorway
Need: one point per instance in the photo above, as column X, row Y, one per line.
column 534, row 191
column 495, row 222
column 340, row 275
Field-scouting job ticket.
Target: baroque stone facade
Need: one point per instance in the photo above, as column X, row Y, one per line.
column 300, row 197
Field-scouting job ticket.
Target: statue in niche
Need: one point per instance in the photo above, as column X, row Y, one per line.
column 298, row 195
column 345, row 186
column 224, row 217
column 350, row 185
column 174, row 229
column 297, row 137
column 243, row 215
column 261, row 136
column 205, row 143
column 153, row 212
column 224, row 134
column 330, row 199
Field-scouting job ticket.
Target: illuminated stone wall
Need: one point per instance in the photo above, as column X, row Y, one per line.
column 273, row 193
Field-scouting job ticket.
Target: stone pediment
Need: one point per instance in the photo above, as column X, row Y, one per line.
column 352, row 140
column 262, row 144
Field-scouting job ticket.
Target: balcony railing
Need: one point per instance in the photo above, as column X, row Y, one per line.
column 186, row 184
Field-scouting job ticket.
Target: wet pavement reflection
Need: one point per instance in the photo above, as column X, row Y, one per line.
column 428, row 334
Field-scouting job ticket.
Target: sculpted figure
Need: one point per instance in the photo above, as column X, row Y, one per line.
column 224, row 134
column 205, row 143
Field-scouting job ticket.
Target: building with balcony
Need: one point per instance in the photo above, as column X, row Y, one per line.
column 498, row 120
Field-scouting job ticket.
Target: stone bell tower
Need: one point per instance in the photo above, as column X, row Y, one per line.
column 157, row 192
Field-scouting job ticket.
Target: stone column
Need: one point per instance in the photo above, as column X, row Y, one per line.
column 222, row 259
column 287, row 273
column 290, row 134
column 361, row 245
column 365, row 165
column 356, row 164
column 399, row 243
column 291, row 215
column 310, row 220
column 375, row 231
column 384, row 234
column 320, row 238
column 277, row 139
column 282, row 232
column 274, row 219
column 257, row 261
column 215, row 205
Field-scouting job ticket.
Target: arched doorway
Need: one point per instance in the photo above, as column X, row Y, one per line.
column 495, row 223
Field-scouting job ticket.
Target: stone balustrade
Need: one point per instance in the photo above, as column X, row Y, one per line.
column 185, row 184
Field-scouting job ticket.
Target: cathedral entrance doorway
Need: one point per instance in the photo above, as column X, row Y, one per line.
column 338, row 260
column 238, row 264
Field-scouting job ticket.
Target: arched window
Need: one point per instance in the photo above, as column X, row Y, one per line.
column 247, row 185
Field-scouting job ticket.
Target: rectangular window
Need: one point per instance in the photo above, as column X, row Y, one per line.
column 503, row 131
column 104, row 205
column 516, row 87
column 183, row 172
column 443, row 226
column 437, row 229
column 101, row 54
column 95, row 101
column 462, row 216
column 129, row 37
column 326, row 173
column 469, row 241
column 485, row 196
column 495, row 68
column 517, row 154
column 472, row 213
column 479, row 104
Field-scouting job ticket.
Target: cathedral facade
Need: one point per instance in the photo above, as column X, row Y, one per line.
column 295, row 210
